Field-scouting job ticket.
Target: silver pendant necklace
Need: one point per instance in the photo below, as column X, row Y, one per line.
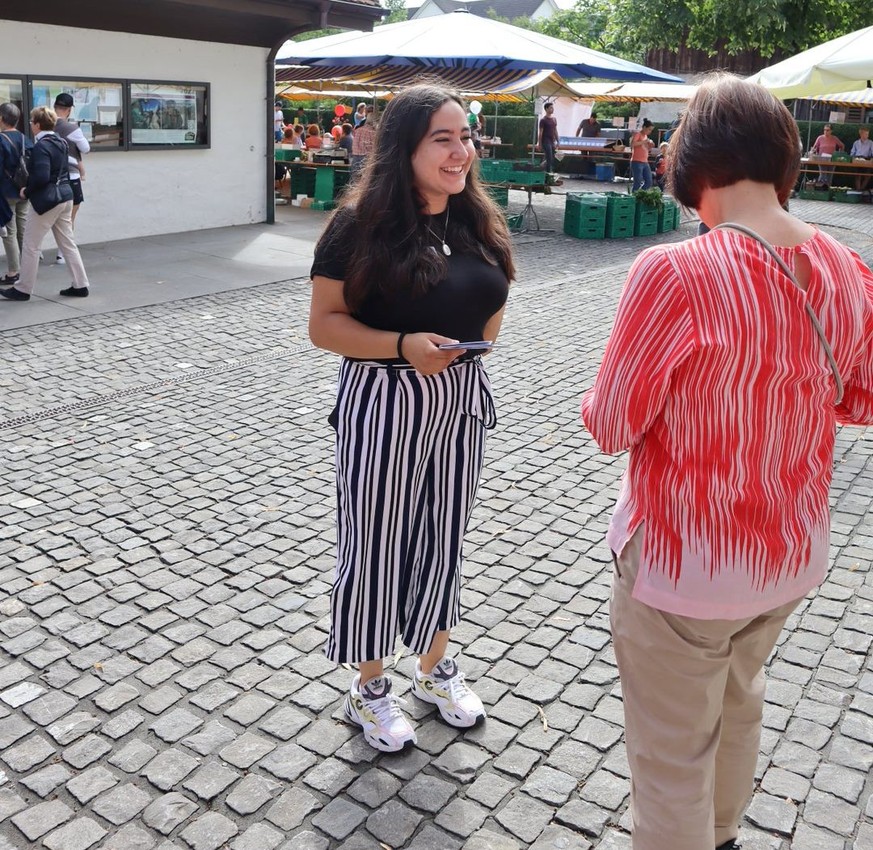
column 446, row 250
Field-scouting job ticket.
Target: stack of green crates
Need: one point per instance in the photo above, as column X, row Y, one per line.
column 668, row 216
column 585, row 215
column 620, row 211
column 302, row 182
column 645, row 220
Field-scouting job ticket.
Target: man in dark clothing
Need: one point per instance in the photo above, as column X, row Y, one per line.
column 548, row 137
column 589, row 128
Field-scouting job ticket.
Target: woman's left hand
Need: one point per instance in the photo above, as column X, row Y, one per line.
column 422, row 351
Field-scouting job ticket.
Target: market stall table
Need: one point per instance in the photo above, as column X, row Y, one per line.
column 852, row 168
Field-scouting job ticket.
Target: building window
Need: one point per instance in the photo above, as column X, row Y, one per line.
column 12, row 91
column 98, row 107
column 169, row 115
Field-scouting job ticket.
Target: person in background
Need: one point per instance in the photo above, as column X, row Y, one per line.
column 313, row 139
column 722, row 524
column 659, row 172
column 363, row 140
column 297, row 137
column 48, row 190
column 827, row 144
column 862, row 148
column 416, row 256
column 360, row 114
column 547, row 140
column 278, row 121
column 78, row 146
column 641, row 144
column 589, row 128
column 346, row 142
column 475, row 131
column 12, row 143
column 300, row 117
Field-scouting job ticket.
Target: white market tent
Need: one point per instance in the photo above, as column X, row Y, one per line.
column 839, row 65
column 460, row 40
column 634, row 92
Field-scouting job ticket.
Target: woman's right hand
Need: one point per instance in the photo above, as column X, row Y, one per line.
column 422, row 352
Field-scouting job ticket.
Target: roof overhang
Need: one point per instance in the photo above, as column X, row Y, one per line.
column 261, row 23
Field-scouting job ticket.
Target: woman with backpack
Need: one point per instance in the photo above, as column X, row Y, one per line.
column 13, row 210
column 48, row 190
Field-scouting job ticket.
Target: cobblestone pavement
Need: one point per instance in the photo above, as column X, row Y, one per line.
column 166, row 537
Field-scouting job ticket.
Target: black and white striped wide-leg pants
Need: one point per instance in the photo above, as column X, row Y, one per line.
column 408, row 459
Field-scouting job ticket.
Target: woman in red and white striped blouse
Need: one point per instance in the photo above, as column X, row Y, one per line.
column 717, row 381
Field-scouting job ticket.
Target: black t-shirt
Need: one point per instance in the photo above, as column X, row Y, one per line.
column 457, row 307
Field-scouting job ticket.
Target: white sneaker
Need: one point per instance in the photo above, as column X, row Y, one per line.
column 377, row 711
column 60, row 260
column 445, row 688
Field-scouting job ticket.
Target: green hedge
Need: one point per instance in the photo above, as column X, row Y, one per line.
column 516, row 130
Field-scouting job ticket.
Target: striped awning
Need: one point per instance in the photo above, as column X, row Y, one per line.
column 634, row 92
column 864, row 97
column 505, row 86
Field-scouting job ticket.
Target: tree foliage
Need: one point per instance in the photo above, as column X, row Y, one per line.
column 766, row 26
column 630, row 29
column 398, row 11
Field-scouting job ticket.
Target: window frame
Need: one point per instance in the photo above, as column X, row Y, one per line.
column 143, row 146
column 27, row 81
column 54, row 78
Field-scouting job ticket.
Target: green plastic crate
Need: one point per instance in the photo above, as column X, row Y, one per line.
column 619, row 227
column 515, row 222
column 302, row 182
column 668, row 216
column 582, row 202
column 619, row 206
column 323, row 205
column 528, row 178
column 586, row 229
column 585, row 216
column 841, row 157
column 846, row 197
column 645, row 220
column 814, row 194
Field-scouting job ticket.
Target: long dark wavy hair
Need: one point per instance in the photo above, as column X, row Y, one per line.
column 390, row 249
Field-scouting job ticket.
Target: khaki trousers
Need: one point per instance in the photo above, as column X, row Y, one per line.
column 59, row 221
column 693, row 693
column 14, row 238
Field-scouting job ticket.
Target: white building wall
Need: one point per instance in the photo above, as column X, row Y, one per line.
column 143, row 193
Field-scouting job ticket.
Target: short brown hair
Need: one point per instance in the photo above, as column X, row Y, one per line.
column 313, row 130
column 44, row 118
column 731, row 131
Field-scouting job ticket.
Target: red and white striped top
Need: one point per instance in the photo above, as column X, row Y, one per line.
column 716, row 381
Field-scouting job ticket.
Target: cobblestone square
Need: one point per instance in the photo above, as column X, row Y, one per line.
column 166, row 550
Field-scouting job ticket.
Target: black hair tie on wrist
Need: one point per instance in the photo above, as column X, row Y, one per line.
column 400, row 347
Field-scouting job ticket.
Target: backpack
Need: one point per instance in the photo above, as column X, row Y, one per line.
column 21, row 173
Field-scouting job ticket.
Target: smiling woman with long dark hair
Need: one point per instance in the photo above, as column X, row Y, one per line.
column 417, row 257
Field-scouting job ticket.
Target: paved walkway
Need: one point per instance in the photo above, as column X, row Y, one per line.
column 166, row 536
